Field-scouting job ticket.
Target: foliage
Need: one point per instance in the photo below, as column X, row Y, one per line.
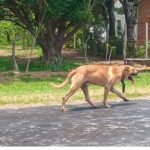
column 130, row 17
column 61, row 64
column 118, row 43
column 59, row 19
column 140, row 51
column 56, row 64
column 8, row 29
column 118, row 10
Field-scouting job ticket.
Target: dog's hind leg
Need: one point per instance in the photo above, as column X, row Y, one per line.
column 66, row 97
column 76, row 84
column 84, row 88
column 113, row 90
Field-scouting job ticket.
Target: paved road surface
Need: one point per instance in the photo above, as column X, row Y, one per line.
column 125, row 124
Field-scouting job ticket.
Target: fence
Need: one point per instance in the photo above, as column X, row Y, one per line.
column 141, row 36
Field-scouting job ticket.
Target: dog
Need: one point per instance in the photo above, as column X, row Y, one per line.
column 98, row 74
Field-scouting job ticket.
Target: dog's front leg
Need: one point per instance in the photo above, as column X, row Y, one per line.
column 84, row 88
column 113, row 90
column 106, row 91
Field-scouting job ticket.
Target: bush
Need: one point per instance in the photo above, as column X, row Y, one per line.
column 118, row 44
column 140, row 51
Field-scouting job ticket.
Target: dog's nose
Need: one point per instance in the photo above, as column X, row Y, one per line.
column 135, row 72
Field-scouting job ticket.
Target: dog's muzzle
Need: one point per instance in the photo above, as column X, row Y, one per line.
column 131, row 76
column 135, row 73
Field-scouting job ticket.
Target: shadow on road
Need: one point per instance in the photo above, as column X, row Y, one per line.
column 82, row 108
column 122, row 104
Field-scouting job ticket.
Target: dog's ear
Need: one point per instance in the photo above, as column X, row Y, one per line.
column 127, row 68
column 126, row 71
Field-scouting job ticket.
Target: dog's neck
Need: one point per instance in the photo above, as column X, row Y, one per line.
column 124, row 73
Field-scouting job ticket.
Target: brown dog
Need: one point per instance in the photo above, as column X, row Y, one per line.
column 104, row 75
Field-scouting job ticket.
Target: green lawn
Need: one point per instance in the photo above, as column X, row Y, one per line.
column 38, row 64
column 27, row 89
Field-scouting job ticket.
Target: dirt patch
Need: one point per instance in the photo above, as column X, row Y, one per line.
column 4, row 53
column 41, row 74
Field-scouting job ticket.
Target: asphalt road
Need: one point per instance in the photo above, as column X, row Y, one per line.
column 125, row 124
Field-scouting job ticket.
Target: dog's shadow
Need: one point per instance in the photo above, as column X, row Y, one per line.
column 82, row 108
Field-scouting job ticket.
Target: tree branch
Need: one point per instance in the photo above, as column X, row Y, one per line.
column 20, row 14
column 74, row 30
column 17, row 23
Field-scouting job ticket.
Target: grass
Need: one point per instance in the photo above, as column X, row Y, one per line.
column 37, row 64
column 28, row 90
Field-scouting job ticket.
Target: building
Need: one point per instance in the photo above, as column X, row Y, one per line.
column 143, row 16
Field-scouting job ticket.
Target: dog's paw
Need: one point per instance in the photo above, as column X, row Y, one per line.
column 64, row 109
column 96, row 107
column 107, row 106
column 126, row 100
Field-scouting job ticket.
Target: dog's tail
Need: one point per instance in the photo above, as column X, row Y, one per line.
column 69, row 76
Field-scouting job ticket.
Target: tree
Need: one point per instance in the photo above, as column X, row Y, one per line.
column 60, row 19
column 14, row 62
column 130, row 17
column 7, row 30
column 92, row 34
column 111, row 17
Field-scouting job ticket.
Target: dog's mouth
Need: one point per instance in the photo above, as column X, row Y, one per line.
column 134, row 73
column 131, row 76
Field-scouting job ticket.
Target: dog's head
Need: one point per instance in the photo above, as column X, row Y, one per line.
column 129, row 72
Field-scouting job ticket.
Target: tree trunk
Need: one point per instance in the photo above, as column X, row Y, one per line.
column 111, row 18
column 8, row 37
column 14, row 62
column 131, row 22
column 29, row 60
column 131, row 51
column 50, row 49
column 28, row 40
column 23, row 40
